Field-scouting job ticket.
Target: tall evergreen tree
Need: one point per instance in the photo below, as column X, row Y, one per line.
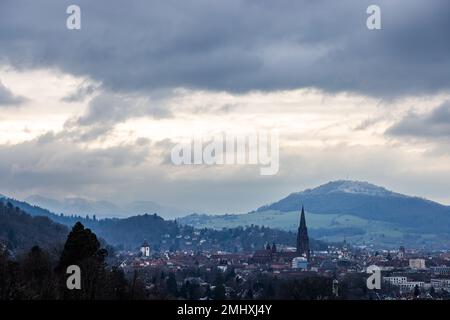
column 81, row 244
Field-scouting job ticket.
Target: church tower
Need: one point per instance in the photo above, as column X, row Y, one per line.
column 145, row 249
column 302, row 237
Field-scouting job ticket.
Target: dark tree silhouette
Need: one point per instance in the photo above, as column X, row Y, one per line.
column 81, row 244
column 218, row 293
column 37, row 275
column 171, row 283
column 416, row 291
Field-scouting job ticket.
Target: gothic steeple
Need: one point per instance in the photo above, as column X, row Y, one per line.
column 302, row 218
column 302, row 236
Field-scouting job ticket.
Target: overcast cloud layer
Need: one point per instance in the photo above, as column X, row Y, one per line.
column 95, row 112
column 236, row 45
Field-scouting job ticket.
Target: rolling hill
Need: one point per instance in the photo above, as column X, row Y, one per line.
column 367, row 201
column 360, row 212
column 357, row 211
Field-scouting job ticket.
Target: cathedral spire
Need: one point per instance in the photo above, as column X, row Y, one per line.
column 302, row 236
column 302, row 218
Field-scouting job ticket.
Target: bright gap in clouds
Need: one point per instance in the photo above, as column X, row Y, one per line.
column 308, row 116
column 44, row 108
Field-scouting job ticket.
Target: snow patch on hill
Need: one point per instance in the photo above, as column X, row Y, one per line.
column 347, row 186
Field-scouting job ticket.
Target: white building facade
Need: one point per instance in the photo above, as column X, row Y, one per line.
column 417, row 263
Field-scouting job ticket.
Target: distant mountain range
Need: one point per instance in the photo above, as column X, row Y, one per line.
column 354, row 210
column 23, row 225
column 81, row 206
column 359, row 212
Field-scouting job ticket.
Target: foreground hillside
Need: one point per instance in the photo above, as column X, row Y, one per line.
column 20, row 231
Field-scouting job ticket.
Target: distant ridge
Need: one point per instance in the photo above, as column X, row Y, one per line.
column 354, row 210
column 368, row 201
column 129, row 232
column 338, row 187
column 348, row 186
column 101, row 208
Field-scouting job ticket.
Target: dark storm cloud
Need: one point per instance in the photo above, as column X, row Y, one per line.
column 7, row 98
column 236, row 45
column 435, row 124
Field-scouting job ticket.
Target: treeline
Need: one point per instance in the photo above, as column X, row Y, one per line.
column 201, row 284
column 129, row 233
column 37, row 275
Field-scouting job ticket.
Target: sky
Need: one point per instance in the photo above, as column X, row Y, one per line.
column 95, row 112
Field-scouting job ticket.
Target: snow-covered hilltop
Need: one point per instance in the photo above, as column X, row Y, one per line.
column 348, row 186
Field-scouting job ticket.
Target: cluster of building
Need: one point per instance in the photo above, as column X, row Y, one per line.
column 418, row 276
column 404, row 272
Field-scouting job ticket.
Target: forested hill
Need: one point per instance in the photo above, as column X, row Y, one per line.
column 34, row 210
column 170, row 235
column 162, row 234
column 20, row 231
